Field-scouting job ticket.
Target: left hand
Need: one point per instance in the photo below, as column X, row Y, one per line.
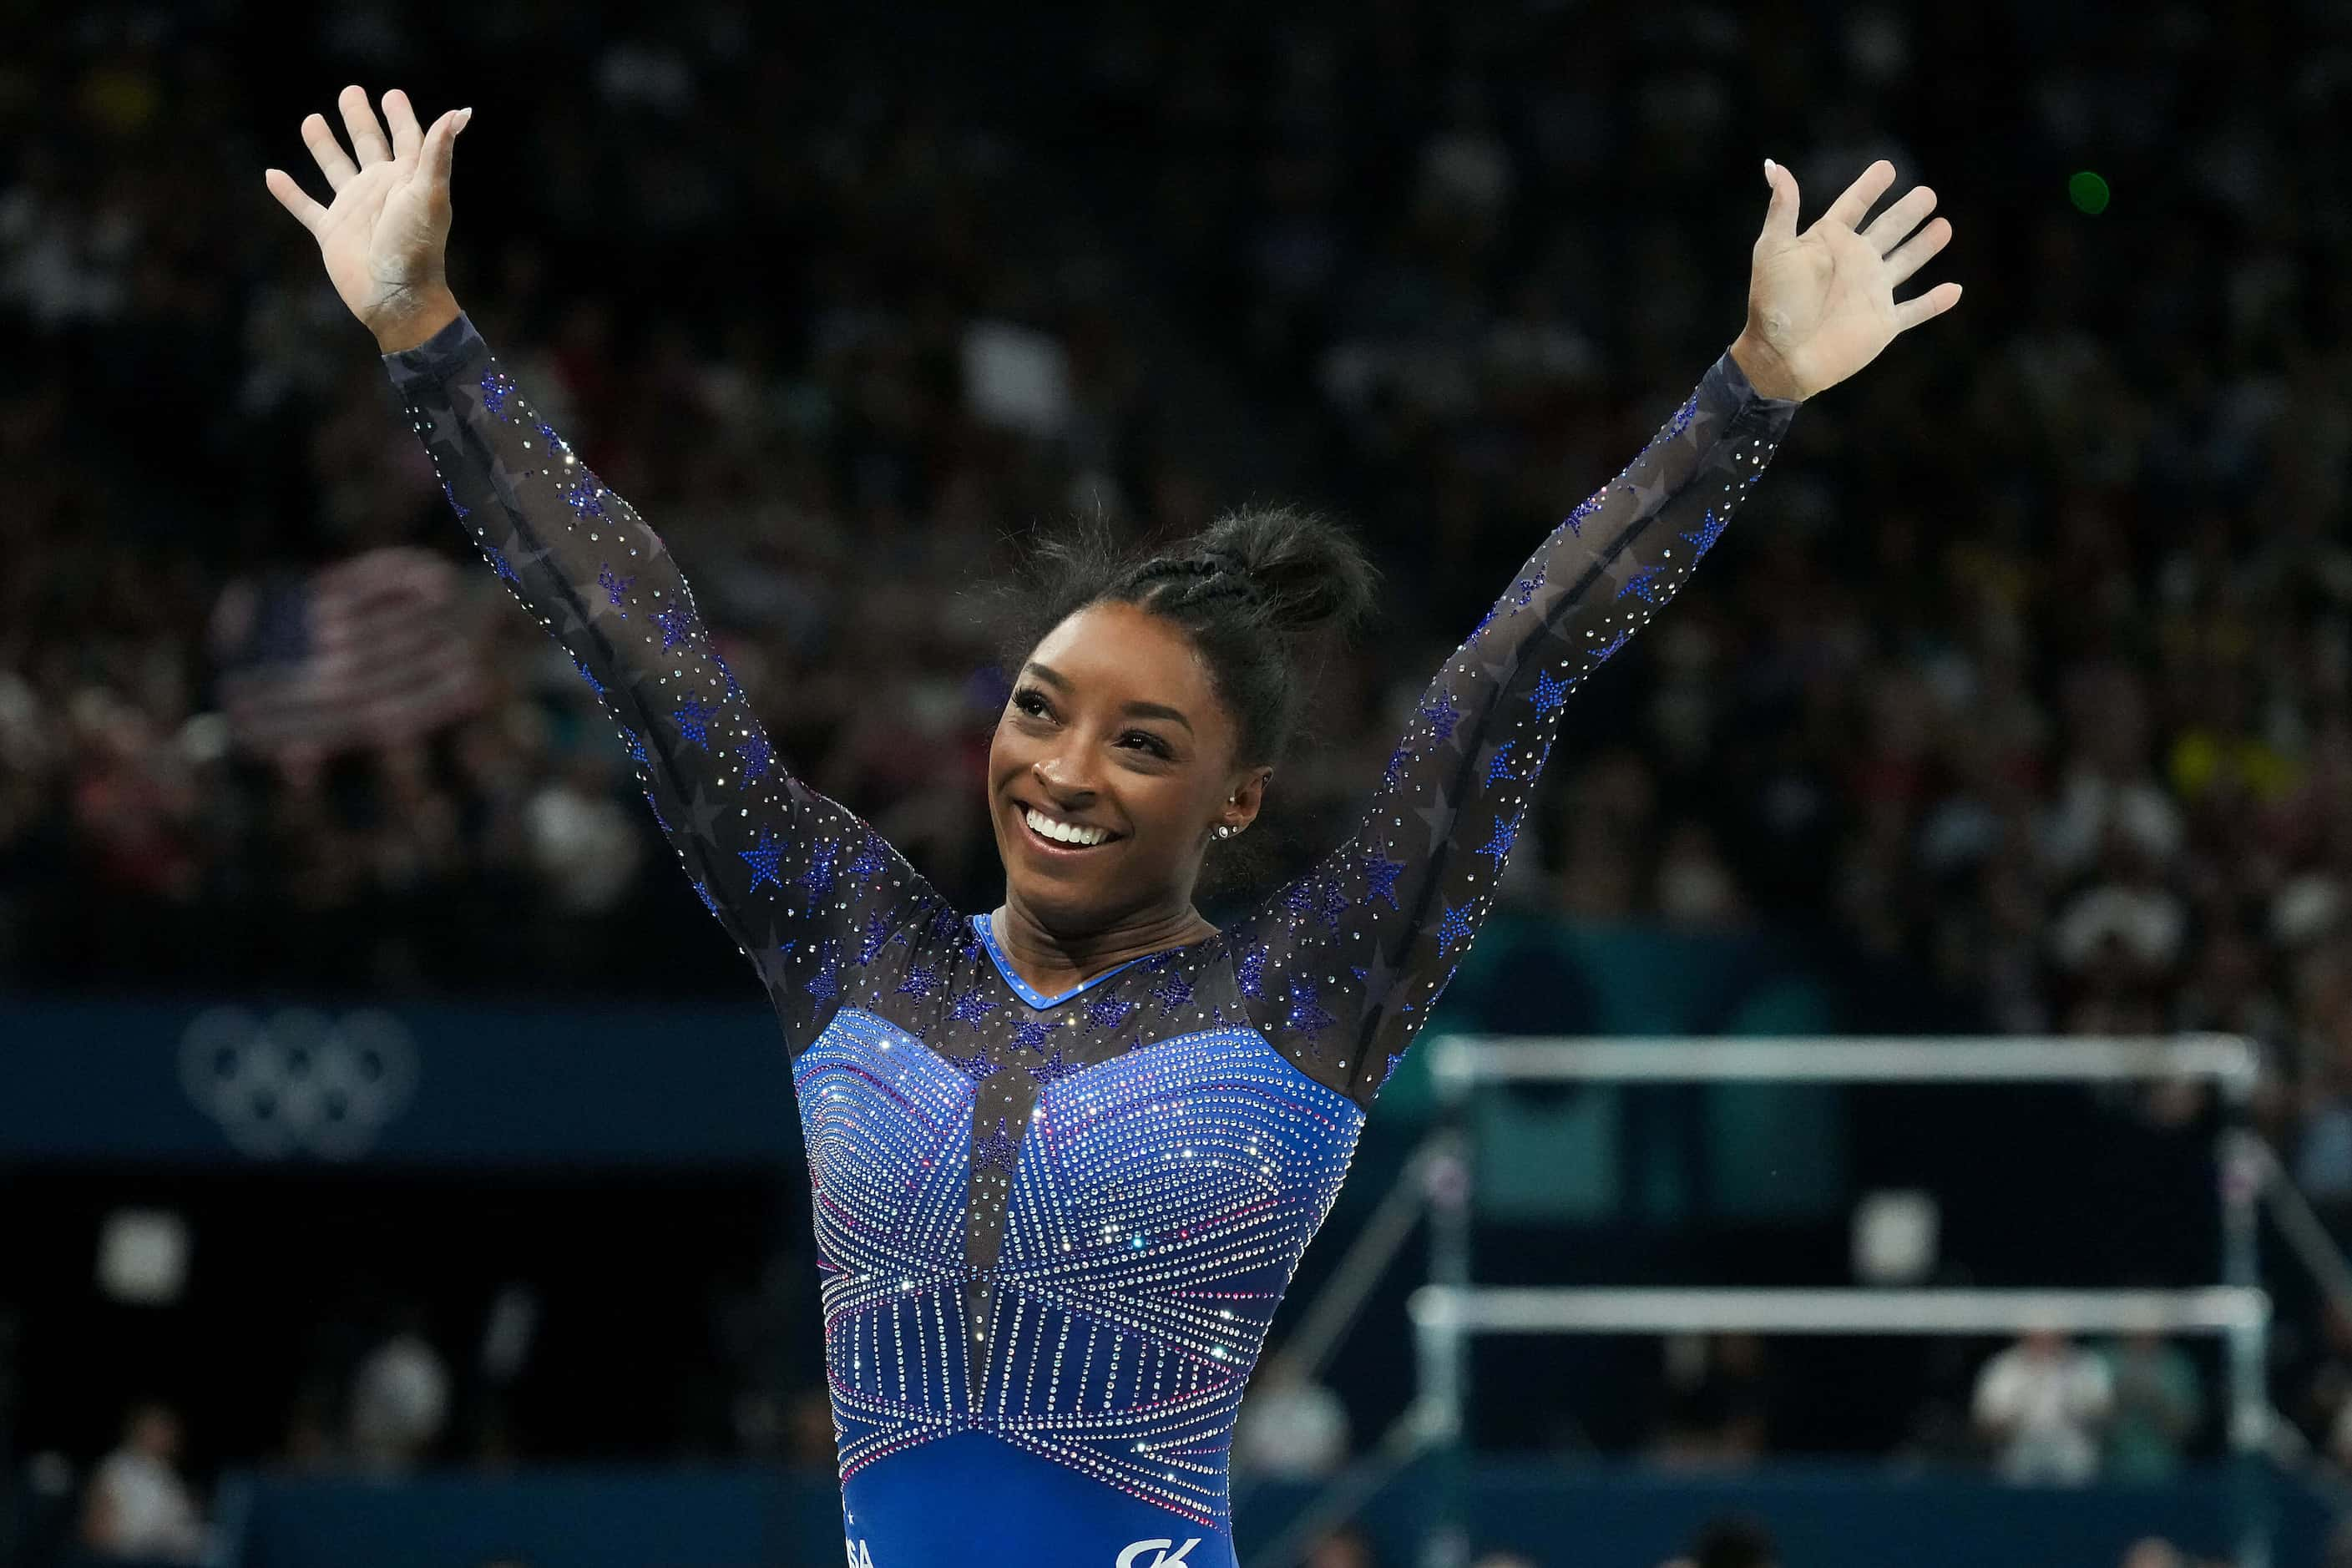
column 1821, row 304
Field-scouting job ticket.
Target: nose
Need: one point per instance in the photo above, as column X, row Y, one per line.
column 1061, row 779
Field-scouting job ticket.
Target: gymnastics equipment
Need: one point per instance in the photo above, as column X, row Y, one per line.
column 1451, row 1308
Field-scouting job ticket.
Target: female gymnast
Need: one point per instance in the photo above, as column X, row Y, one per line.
column 1066, row 1152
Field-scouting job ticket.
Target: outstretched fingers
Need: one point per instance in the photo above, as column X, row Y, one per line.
column 1909, row 313
column 1912, row 253
column 1905, row 214
column 293, row 198
column 1849, row 208
column 401, row 115
column 368, row 144
column 326, row 152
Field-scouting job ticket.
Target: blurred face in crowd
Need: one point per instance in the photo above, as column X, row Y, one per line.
column 1113, row 729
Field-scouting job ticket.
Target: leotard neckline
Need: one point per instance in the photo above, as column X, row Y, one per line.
column 985, row 925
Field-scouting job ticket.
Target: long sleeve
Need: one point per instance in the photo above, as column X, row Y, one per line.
column 1340, row 966
column 793, row 876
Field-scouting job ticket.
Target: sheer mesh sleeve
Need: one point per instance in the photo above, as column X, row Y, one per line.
column 794, row 876
column 1340, row 966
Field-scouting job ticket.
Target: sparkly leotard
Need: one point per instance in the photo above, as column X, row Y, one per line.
column 1052, row 1230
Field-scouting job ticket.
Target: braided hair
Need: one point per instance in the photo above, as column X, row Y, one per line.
column 1254, row 591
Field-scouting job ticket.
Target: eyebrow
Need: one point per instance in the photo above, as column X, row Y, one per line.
column 1054, row 678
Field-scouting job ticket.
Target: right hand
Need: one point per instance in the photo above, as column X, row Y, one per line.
column 384, row 236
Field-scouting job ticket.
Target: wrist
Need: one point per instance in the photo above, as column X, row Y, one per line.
column 415, row 320
column 1766, row 371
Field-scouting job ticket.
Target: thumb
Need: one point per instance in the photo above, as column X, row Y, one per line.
column 440, row 145
column 1780, row 213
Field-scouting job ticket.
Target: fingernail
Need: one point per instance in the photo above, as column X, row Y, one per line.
column 464, row 115
column 1768, row 168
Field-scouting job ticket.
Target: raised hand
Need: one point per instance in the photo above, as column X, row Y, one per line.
column 1821, row 304
column 384, row 235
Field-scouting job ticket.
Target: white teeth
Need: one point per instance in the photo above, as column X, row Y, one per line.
column 1064, row 832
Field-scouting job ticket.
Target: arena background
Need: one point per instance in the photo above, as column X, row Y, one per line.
column 375, row 1096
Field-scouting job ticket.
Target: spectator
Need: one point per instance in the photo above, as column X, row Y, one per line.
column 2042, row 1402
column 400, row 1400
column 2158, row 1404
column 137, row 1506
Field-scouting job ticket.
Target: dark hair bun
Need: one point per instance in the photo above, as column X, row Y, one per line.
column 1307, row 572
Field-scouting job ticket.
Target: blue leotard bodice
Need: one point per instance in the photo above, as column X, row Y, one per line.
column 1052, row 1229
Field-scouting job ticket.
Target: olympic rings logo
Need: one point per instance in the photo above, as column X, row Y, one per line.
column 299, row 1082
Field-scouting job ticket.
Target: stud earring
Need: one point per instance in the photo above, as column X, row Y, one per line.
column 1225, row 830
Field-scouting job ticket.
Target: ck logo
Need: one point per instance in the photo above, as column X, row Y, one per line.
column 1133, row 1556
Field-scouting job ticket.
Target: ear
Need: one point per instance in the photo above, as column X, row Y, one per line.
column 1245, row 797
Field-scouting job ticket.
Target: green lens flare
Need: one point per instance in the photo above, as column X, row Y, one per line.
column 2089, row 191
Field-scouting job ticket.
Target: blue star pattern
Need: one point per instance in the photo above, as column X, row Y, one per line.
column 1249, row 971
column 1643, row 585
column 979, row 1069
column 1053, row 1069
column 996, row 1152
column 879, row 928
column 1305, row 1016
column 585, row 498
column 1173, row 991
column 1609, row 650
column 1710, row 529
column 463, row 512
column 825, row 984
column 767, row 862
column 658, row 821
column 1506, row 830
column 1444, row 715
column 676, row 623
column 817, row 875
column 874, row 855
column 693, row 719
column 1212, row 1154
column 970, row 1007
column 594, row 685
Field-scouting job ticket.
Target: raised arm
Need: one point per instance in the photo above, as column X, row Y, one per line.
column 1341, row 967
column 794, row 876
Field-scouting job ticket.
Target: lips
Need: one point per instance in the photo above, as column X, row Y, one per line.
column 1055, row 845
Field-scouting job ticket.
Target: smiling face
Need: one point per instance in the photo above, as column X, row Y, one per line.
column 1114, row 734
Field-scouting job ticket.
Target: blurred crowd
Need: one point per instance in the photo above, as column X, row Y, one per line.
column 2028, row 671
